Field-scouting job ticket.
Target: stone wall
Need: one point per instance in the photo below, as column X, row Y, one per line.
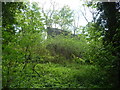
column 55, row 31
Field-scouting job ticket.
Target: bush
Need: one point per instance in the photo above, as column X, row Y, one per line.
column 66, row 47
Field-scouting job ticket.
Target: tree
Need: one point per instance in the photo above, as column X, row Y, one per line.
column 110, row 20
column 65, row 17
column 75, row 23
column 8, row 34
column 61, row 18
column 91, row 6
column 48, row 15
column 22, row 47
column 8, row 12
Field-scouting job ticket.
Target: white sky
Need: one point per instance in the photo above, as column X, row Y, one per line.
column 75, row 5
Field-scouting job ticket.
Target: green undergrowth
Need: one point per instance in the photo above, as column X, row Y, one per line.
column 51, row 75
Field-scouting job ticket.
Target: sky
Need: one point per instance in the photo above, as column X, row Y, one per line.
column 75, row 5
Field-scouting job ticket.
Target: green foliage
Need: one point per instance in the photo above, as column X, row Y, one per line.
column 62, row 18
column 78, row 60
column 30, row 61
column 66, row 17
column 25, row 42
column 8, row 13
column 66, row 46
column 56, row 76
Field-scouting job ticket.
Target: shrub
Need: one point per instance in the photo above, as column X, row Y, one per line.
column 66, row 47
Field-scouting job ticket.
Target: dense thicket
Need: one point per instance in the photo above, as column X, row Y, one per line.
column 110, row 20
column 86, row 60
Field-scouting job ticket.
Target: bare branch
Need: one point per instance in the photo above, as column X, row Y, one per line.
column 84, row 16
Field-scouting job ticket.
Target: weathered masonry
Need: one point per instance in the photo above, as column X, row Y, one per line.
column 55, row 31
